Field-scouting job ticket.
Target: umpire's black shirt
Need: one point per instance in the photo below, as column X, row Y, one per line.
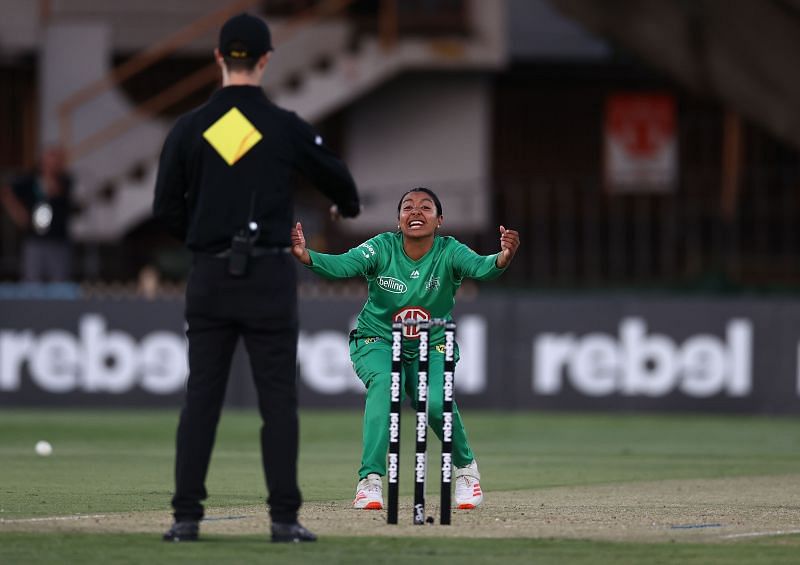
column 237, row 152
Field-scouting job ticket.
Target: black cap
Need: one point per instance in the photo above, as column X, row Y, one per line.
column 244, row 37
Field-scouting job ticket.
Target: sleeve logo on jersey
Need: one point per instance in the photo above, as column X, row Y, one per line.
column 411, row 313
column 367, row 250
column 392, row 285
column 232, row 136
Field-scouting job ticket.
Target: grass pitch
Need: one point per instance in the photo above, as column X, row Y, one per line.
column 563, row 488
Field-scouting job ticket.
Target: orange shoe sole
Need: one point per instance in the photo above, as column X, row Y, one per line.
column 373, row 506
column 466, row 506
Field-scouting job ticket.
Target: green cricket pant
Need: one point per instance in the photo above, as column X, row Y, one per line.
column 372, row 361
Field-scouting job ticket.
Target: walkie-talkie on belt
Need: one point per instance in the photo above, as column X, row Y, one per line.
column 242, row 245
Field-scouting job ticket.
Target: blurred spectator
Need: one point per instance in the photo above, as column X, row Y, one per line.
column 149, row 283
column 40, row 204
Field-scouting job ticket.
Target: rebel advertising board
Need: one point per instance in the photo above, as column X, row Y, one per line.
column 535, row 352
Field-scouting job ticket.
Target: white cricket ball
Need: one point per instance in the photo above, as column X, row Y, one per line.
column 44, row 448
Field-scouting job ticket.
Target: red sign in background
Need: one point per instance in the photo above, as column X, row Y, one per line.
column 640, row 142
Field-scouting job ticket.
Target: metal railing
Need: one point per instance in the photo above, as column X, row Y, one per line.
column 391, row 16
column 577, row 235
column 182, row 88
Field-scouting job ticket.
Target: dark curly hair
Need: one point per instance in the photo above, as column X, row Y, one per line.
column 427, row 191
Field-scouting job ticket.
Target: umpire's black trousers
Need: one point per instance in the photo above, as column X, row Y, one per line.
column 261, row 308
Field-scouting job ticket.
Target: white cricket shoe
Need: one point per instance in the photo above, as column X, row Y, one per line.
column 369, row 493
column 468, row 487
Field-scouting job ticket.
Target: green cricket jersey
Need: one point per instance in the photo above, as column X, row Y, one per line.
column 400, row 288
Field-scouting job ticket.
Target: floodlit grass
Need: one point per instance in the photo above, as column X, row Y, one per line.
column 134, row 549
column 121, row 461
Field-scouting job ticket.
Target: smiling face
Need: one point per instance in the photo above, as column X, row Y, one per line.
column 418, row 215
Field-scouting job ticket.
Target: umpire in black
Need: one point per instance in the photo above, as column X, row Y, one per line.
column 224, row 187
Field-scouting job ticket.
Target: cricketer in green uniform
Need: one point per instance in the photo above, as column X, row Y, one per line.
column 412, row 273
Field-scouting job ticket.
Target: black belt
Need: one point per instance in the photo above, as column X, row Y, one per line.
column 256, row 251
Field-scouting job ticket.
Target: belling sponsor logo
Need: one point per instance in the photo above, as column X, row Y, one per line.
column 392, row 285
column 642, row 364
column 95, row 361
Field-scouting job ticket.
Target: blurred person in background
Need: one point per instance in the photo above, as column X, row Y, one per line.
column 425, row 270
column 224, row 188
column 148, row 283
column 40, row 204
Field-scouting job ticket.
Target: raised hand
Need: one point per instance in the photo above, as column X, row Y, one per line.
column 299, row 244
column 509, row 242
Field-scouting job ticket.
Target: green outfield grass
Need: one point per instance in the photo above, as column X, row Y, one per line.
column 134, row 549
column 121, row 461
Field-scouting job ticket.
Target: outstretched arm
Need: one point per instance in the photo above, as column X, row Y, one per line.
column 509, row 242
column 468, row 264
column 356, row 262
column 299, row 249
